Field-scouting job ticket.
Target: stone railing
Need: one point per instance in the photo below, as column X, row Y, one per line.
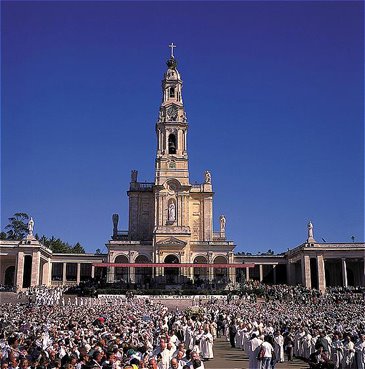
column 121, row 236
column 141, row 186
column 218, row 236
column 61, row 283
column 212, row 243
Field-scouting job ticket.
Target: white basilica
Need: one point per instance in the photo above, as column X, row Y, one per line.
column 170, row 223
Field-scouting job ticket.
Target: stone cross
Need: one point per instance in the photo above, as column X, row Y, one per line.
column 172, row 49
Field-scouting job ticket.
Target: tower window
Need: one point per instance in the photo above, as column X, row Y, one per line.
column 172, row 92
column 172, row 144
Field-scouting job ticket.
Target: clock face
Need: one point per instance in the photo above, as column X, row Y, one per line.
column 171, row 112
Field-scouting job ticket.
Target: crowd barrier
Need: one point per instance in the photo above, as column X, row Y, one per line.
column 167, row 297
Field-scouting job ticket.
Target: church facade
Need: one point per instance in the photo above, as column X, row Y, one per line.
column 171, row 224
column 170, row 219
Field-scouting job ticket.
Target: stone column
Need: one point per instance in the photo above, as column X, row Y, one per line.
column 19, row 270
column 274, row 273
column 78, row 273
column 321, row 274
column 64, row 279
column 110, row 274
column 211, row 274
column 36, row 260
column 306, row 272
column 132, row 275
column 247, row 274
column 344, row 272
column 232, row 275
column 261, row 269
column 92, row 271
column 46, row 273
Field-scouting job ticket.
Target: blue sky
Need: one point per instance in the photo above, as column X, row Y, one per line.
column 274, row 95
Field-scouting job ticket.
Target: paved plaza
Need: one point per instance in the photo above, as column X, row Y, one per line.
column 226, row 357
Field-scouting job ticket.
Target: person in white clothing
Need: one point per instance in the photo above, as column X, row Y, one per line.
column 267, row 354
column 253, row 347
column 279, row 346
column 206, row 345
column 360, row 352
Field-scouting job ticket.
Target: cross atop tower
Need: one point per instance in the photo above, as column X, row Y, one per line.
column 172, row 46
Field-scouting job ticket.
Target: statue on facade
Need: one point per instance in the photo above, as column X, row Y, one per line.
column 172, row 212
column 222, row 220
column 134, row 174
column 208, row 177
column 30, row 226
column 160, row 116
column 115, row 218
column 184, row 117
column 310, row 230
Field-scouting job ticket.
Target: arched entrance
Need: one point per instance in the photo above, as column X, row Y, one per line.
column 143, row 275
column 121, row 274
column 172, row 274
column 220, row 274
column 200, row 274
column 9, row 276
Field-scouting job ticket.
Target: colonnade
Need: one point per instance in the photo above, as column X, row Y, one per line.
column 320, row 273
column 78, row 272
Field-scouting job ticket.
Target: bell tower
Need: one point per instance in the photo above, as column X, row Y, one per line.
column 171, row 129
column 171, row 189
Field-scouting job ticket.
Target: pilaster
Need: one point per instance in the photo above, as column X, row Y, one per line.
column 321, row 274
column 36, row 260
column 19, row 270
column 78, row 273
column 306, row 272
column 261, row 270
column 247, row 274
column 46, row 273
column 64, row 279
column 344, row 272
column 274, row 273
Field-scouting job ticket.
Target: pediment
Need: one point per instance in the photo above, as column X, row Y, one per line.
column 171, row 241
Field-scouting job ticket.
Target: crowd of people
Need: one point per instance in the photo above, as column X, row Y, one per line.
column 108, row 332
column 49, row 332
column 327, row 331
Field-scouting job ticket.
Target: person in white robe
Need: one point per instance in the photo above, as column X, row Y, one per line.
column 360, row 352
column 253, row 347
column 279, row 347
column 349, row 353
column 206, row 345
column 306, row 343
column 189, row 337
column 337, row 352
column 213, row 329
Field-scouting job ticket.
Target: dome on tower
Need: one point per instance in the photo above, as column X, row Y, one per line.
column 172, row 73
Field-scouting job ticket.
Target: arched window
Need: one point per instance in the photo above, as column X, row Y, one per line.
column 172, row 91
column 172, row 144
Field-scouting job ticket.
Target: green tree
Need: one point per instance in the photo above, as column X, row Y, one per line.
column 61, row 247
column 17, row 228
column 78, row 249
